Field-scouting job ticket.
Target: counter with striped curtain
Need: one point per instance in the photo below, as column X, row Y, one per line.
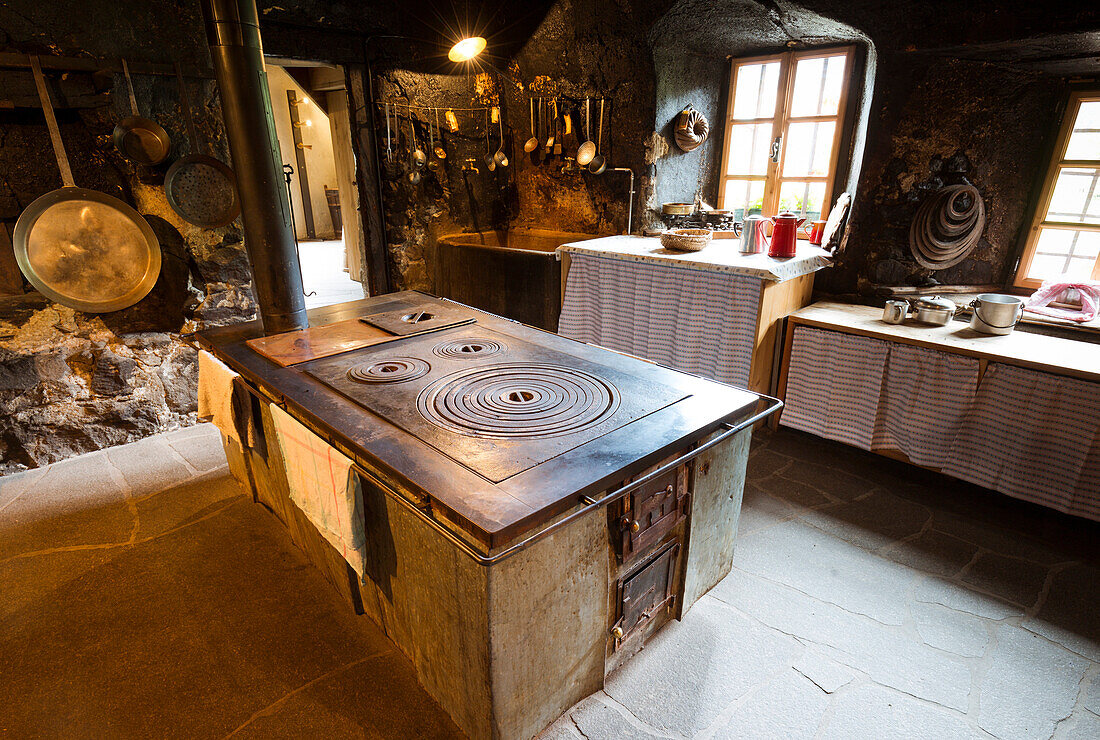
column 698, row 321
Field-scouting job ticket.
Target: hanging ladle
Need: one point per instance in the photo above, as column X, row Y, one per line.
column 418, row 155
column 587, row 150
column 416, row 162
column 490, row 158
column 500, row 157
column 440, row 152
column 533, row 143
column 599, row 162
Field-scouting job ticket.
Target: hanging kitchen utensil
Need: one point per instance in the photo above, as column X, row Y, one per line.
column 201, row 190
column 558, row 124
column 433, row 162
column 439, row 149
column 587, row 150
column 413, row 173
column 490, row 158
column 549, row 146
column 140, row 139
column 500, row 157
column 84, row 249
column 533, row 143
column 452, row 121
column 599, row 162
column 418, row 155
column 692, row 129
column 389, row 135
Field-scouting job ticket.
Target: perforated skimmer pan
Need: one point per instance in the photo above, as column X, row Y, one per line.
column 82, row 248
column 202, row 190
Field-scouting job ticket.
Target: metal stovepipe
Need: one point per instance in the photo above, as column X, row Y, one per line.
column 233, row 33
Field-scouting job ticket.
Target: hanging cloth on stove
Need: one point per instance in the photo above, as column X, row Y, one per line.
column 322, row 485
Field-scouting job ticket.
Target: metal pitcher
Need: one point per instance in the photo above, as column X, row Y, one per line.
column 753, row 239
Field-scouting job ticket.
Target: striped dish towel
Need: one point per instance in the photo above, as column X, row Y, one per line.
column 693, row 320
column 925, row 394
column 321, row 486
column 1033, row 436
column 833, row 385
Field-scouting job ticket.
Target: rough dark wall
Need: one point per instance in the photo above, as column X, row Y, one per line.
column 72, row 382
column 943, row 122
column 582, row 48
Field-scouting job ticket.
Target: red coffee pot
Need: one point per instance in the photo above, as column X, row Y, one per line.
column 784, row 234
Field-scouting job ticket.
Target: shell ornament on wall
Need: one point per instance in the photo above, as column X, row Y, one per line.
column 947, row 226
column 692, row 129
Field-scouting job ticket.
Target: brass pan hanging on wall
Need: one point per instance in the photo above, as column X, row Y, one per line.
column 201, row 190
column 81, row 248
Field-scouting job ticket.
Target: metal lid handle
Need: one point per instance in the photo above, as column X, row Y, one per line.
column 51, row 124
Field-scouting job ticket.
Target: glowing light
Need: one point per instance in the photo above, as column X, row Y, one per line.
column 309, row 122
column 466, row 49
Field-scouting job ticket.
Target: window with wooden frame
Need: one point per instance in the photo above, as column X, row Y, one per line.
column 783, row 132
column 1064, row 240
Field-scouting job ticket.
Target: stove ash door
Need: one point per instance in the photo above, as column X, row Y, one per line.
column 646, row 592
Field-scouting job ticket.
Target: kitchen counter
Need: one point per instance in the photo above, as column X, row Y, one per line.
column 721, row 255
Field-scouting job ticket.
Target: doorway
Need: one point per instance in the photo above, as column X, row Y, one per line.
column 313, row 125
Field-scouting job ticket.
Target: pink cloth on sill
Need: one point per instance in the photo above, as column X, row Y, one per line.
column 1052, row 291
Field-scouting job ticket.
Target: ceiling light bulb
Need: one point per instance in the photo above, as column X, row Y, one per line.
column 466, row 49
column 309, row 122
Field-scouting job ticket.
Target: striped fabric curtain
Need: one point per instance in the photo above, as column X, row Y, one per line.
column 1034, row 436
column 692, row 320
column 834, row 384
column 925, row 395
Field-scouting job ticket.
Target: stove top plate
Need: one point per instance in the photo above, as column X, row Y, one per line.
column 495, row 403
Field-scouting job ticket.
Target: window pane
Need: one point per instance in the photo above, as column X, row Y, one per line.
column 743, row 197
column 802, row 198
column 809, row 149
column 817, row 86
column 755, row 91
column 1076, row 196
column 1084, row 142
column 1064, row 252
column 749, row 146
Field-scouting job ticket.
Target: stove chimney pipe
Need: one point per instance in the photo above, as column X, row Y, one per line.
column 233, row 34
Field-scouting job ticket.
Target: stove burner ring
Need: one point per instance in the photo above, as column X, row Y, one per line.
column 469, row 348
column 392, row 370
column 516, row 401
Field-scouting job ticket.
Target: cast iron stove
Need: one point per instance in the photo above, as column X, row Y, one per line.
column 495, row 403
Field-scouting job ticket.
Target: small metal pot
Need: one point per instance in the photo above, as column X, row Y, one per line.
column 995, row 313
column 677, row 209
column 937, row 310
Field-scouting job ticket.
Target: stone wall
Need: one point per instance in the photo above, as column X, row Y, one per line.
column 72, row 382
column 944, row 122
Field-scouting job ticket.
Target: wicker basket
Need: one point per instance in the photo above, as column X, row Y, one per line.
column 686, row 240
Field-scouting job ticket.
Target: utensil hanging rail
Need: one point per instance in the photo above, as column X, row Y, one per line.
column 92, row 64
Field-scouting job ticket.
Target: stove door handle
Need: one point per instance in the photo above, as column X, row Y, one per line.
column 773, row 405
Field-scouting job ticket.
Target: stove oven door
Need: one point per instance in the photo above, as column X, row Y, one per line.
column 651, row 512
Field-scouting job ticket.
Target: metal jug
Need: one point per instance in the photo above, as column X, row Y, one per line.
column 752, row 235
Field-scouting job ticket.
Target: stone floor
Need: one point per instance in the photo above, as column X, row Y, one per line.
column 143, row 595
column 324, row 276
